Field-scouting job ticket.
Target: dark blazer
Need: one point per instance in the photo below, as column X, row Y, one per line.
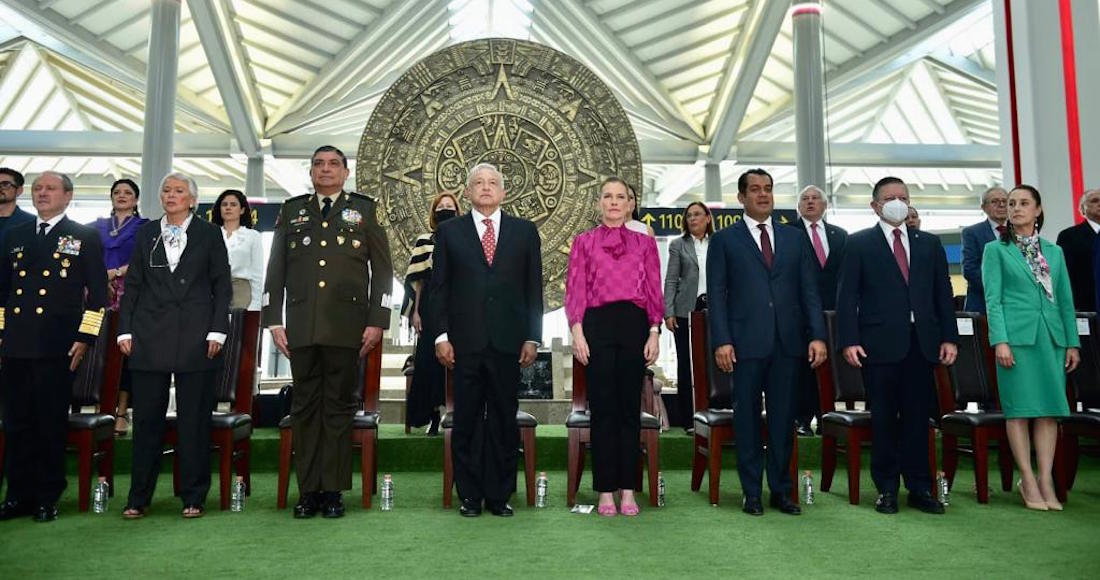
column 755, row 309
column 170, row 313
column 53, row 291
column 874, row 302
column 974, row 239
column 827, row 276
column 1077, row 244
column 481, row 306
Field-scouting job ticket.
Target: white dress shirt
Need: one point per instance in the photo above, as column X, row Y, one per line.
column 321, row 199
column 246, row 260
column 174, row 252
column 755, row 231
column 820, row 233
column 701, row 255
column 1095, row 226
column 50, row 223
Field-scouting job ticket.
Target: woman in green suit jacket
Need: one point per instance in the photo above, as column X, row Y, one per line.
column 1032, row 327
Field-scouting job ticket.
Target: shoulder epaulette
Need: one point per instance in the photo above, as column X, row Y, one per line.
column 363, row 196
column 297, row 197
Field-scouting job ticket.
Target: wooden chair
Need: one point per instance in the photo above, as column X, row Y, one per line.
column 364, row 432
column 91, row 435
column 579, row 426
column 714, row 416
column 527, row 425
column 973, row 379
column 1083, row 393
column 839, row 382
column 231, row 431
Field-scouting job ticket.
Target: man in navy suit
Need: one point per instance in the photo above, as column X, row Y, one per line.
column 975, row 237
column 1078, row 243
column 895, row 322
column 762, row 294
column 827, row 247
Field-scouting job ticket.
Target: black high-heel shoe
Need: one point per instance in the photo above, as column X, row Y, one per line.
column 433, row 428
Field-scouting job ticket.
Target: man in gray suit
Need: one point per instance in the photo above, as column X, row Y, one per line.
column 974, row 239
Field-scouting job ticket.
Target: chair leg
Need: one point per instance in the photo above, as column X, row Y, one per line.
column 448, row 469
column 84, row 449
column 1073, row 456
column 285, row 450
column 828, row 461
column 794, row 470
column 653, row 453
column 224, row 440
column 698, row 463
column 714, row 465
column 980, row 441
column 366, row 465
column 244, row 465
column 855, row 443
column 527, row 434
column 950, row 457
column 1060, row 470
column 107, row 464
column 573, row 468
column 1004, row 461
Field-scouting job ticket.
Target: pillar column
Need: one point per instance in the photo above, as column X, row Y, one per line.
column 809, row 88
column 254, row 179
column 160, row 101
column 712, row 183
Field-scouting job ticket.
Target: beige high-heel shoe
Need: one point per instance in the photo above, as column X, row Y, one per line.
column 1031, row 505
column 1053, row 505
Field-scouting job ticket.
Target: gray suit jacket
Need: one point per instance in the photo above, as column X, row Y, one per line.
column 681, row 278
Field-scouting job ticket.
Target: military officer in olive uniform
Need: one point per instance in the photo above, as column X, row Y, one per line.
column 331, row 261
column 53, row 295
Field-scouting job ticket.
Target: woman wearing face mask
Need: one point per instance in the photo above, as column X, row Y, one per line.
column 117, row 234
column 1033, row 330
column 427, row 392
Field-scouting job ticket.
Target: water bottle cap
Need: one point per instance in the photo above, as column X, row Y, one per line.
column 102, row 479
column 387, row 477
column 542, row 474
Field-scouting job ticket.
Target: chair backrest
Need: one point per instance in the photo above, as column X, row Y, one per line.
column 97, row 377
column 235, row 382
column 846, row 380
column 370, row 376
column 711, row 386
column 973, row 378
column 1085, row 381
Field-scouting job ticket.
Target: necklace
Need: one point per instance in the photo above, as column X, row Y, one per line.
column 114, row 231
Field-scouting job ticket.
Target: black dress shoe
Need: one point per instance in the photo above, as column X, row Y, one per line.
column 887, row 503
column 45, row 513
column 784, row 504
column 433, row 427
column 333, row 505
column 752, row 506
column 501, row 509
column 803, row 431
column 14, row 508
column 307, row 506
column 924, row 501
column 470, row 508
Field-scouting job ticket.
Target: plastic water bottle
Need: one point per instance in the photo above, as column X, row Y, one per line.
column 101, row 494
column 236, row 500
column 387, row 493
column 807, row 488
column 945, row 490
column 541, row 489
column 660, row 489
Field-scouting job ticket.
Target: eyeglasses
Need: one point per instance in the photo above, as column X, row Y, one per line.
column 8, row 185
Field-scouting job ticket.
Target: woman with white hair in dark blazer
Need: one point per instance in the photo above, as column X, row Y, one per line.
column 173, row 323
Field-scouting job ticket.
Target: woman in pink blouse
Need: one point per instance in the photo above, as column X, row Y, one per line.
column 614, row 306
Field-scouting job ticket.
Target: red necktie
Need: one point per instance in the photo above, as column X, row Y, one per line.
column 1001, row 229
column 489, row 241
column 819, row 248
column 899, row 255
column 765, row 245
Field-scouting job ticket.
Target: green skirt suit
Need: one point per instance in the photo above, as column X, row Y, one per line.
column 1037, row 328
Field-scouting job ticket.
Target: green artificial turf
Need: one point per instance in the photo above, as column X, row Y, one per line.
column 686, row 539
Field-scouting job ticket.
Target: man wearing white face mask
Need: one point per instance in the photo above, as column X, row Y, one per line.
column 895, row 322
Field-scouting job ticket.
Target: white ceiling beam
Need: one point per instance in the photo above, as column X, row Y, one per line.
column 966, row 68
column 615, row 62
column 224, row 53
column 902, row 49
column 969, row 156
column 52, row 31
column 369, row 45
column 746, row 66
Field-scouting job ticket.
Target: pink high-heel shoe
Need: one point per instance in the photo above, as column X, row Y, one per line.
column 607, row 510
column 630, row 510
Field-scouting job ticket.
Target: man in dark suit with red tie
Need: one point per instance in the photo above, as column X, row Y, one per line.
column 487, row 301
column 763, row 301
column 896, row 322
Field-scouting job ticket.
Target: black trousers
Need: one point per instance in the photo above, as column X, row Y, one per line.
column 616, row 335
column 775, row 378
column 899, row 398
column 194, row 405
column 808, row 406
column 325, row 400
column 485, row 436
column 685, row 398
column 36, row 426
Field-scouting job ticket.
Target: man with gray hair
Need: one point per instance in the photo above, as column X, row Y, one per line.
column 487, row 304
column 974, row 239
column 1078, row 244
column 53, row 295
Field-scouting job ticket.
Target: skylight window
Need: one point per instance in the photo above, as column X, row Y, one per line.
column 472, row 19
